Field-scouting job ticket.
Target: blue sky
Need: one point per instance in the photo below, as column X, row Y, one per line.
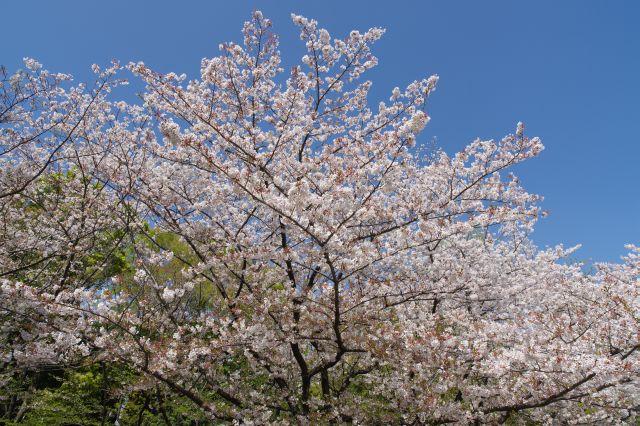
column 569, row 69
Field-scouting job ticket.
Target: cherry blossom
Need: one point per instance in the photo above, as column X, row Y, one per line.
column 269, row 245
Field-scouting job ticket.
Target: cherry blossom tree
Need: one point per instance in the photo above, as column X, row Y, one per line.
column 272, row 248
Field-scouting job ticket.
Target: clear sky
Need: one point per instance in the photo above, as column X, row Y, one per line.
column 570, row 70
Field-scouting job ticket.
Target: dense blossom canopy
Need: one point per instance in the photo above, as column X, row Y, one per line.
column 272, row 247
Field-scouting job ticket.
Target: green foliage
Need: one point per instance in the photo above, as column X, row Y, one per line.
column 94, row 395
column 77, row 400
